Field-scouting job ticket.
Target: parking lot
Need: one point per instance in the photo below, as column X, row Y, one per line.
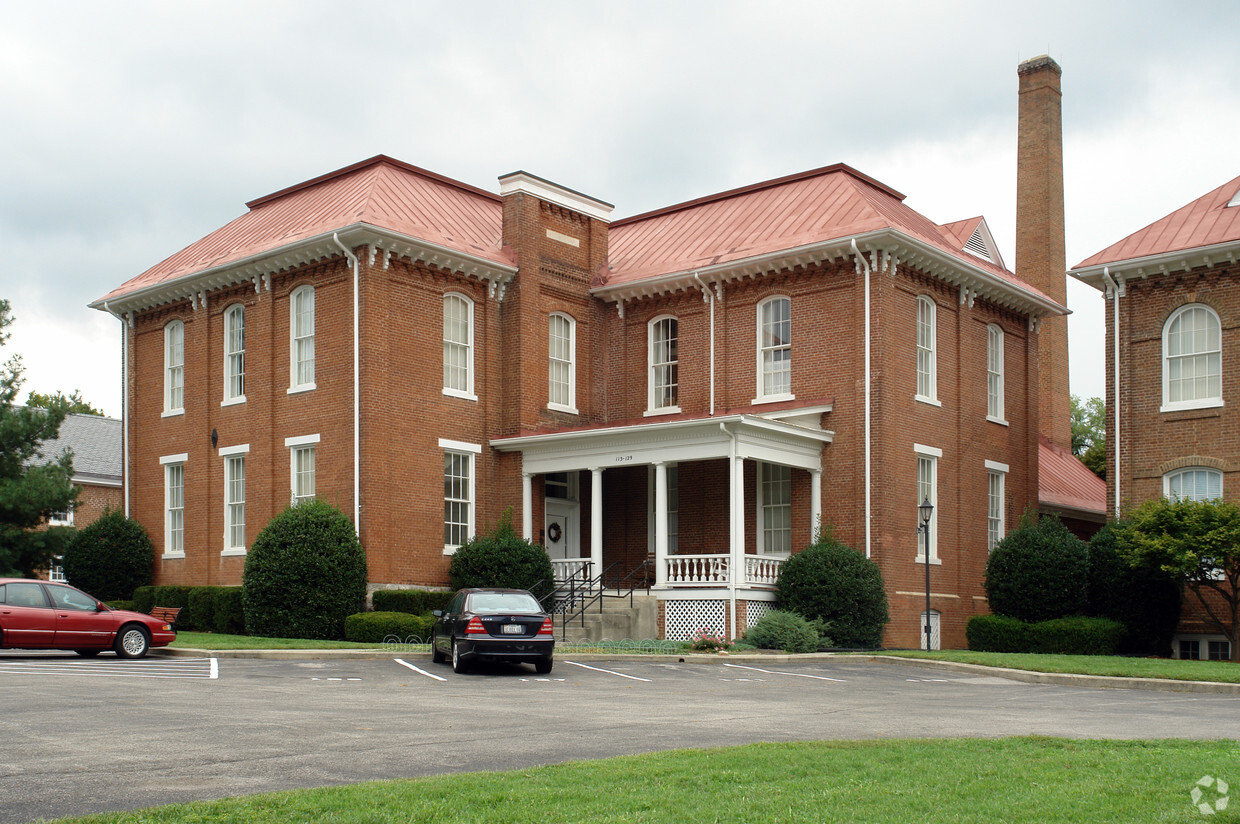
column 87, row 735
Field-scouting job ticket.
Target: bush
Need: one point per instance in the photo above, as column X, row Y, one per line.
column 199, row 612
column 1145, row 600
column 144, row 599
column 305, row 574
column 109, row 558
column 377, row 627
column 229, row 611
column 1076, row 636
column 839, row 586
column 786, row 631
column 998, row 633
column 502, row 559
column 120, row 603
column 413, row 601
column 1038, row 572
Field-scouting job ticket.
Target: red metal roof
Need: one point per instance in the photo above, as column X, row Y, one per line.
column 1064, row 481
column 834, row 202
column 382, row 192
column 1206, row 221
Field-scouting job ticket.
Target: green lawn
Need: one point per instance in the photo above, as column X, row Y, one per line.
column 1044, row 780
column 1224, row 671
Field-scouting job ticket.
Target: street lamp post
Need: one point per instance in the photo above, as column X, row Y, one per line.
column 925, row 511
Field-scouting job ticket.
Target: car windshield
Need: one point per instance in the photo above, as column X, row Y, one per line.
column 503, row 602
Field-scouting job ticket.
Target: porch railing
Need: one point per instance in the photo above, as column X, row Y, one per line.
column 574, row 570
column 714, row 570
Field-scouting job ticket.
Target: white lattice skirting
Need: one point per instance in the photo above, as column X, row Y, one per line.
column 684, row 619
column 755, row 611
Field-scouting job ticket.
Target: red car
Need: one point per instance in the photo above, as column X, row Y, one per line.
column 48, row 615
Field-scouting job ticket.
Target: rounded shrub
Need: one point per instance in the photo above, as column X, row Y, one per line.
column 1038, row 572
column 1146, row 600
column 998, row 633
column 110, row 558
column 502, row 559
column 785, row 631
column 840, row 587
column 378, row 627
column 305, row 574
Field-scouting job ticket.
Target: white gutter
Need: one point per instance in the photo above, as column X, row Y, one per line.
column 866, row 263
column 1116, row 292
column 709, row 298
column 124, row 403
column 357, row 447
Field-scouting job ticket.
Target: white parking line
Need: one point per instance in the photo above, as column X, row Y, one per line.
column 418, row 670
column 796, row 674
column 207, row 668
column 609, row 672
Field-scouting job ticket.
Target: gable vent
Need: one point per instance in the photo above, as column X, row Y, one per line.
column 977, row 245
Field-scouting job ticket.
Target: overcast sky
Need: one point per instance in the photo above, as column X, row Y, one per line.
column 131, row 129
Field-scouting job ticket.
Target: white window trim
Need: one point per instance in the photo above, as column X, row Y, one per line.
column 760, row 503
column 933, row 397
column 169, row 409
column 1000, row 418
column 651, row 389
column 1001, row 471
column 227, row 452
column 301, row 440
column 468, row 392
column 293, row 386
column 1166, row 480
column 1204, row 403
column 295, row 445
column 776, row 397
column 229, row 314
column 935, row 454
column 168, row 461
column 571, row 406
column 471, row 450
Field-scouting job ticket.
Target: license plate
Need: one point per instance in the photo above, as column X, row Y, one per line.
column 513, row 629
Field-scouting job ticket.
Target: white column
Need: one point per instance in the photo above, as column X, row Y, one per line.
column 660, row 524
column 815, row 502
column 527, row 506
column 596, row 522
column 737, row 562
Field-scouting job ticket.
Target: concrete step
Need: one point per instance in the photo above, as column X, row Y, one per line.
column 617, row 621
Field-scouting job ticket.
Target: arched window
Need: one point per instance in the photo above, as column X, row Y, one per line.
column 775, row 349
column 927, row 388
column 234, row 354
column 301, row 338
column 663, row 356
column 562, row 367
column 458, row 346
column 174, row 368
column 1192, row 359
column 994, row 373
column 1193, row 483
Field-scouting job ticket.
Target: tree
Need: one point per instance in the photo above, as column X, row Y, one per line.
column 75, row 403
column 838, row 586
column 1146, row 599
column 32, row 485
column 110, row 558
column 1089, row 434
column 1199, row 543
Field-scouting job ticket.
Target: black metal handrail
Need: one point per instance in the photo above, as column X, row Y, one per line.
column 594, row 589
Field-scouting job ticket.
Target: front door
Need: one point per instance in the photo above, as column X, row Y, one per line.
column 560, row 534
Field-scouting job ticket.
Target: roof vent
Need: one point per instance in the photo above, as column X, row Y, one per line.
column 977, row 244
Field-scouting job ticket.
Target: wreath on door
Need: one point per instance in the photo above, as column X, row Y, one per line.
column 554, row 532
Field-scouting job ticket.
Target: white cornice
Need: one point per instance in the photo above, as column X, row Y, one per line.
column 1155, row 266
column 554, row 193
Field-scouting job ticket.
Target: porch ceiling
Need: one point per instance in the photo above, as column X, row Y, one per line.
column 755, row 438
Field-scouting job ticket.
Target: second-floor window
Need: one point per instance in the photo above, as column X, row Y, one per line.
column 927, row 389
column 301, row 338
column 562, row 369
column 1192, row 359
column 234, row 354
column 664, row 377
column 174, row 367
column 775, row 349
column 994, row 373
column 458, row 346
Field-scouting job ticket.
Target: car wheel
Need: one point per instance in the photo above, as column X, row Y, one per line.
column 88, row 653
column 543, row 667
column 132, row 642
column 458, row 664
column 437, row 657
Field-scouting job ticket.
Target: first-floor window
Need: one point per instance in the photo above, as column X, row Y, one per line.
column 927, row 490
column 995, row 530
column 1193, row 483
column 458, row 492
column 174, row 515
column 234, row 503
column 776, row 508
column 302, row 467
column 57, row 572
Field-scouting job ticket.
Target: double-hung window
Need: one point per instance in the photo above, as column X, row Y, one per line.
column 174, row 368
column 458, row 346
column 663, row 380
column 928, row 490
column 994, row 374
column 927, row 334
column 775, row 349
column 458, row 492
column 996, row 475
column 302, row 467
column 301, row 339
column 1192, row 359
column 562, row 371
column 234, row 355
column 234, row 498
column 775, row 506
column 174, row 504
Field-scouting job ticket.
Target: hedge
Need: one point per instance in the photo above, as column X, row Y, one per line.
column 998, row 633
column 1075, row 635
column 378, row 627
column 203, row 609
column 413, row 601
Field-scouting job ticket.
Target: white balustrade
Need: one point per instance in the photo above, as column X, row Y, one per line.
column 697, row 570
column 762, row 570
column 571, row 569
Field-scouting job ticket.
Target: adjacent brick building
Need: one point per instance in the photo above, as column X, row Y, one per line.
column 1173, row 315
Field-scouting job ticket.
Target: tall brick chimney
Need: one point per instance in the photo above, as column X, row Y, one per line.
column 1040, row 257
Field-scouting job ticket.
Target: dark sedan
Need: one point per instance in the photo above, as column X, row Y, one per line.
column 503, row 625
column 48, row 615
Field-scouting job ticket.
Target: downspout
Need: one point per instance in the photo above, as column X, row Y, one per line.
column 357, row 443
column 1116, row 292
column 124, row 403
column 710, row 298
column 733, row 530
column 858, row 256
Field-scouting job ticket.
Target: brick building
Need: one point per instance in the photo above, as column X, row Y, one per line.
column 696, row 387
column 1173, row 319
